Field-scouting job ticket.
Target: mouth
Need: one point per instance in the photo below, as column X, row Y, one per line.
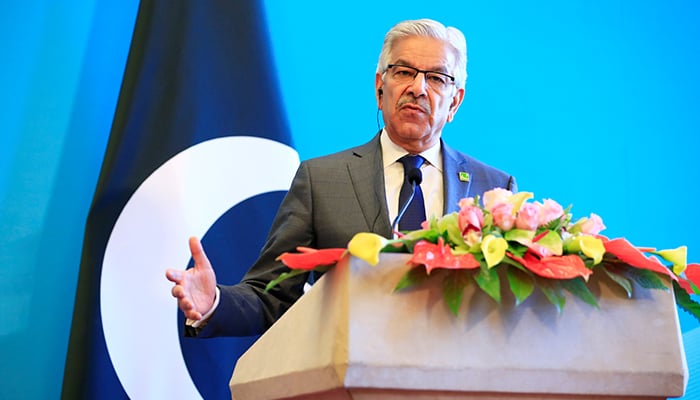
column 413, row 107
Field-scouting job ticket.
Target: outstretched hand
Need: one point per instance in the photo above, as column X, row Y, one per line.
column 195, row 288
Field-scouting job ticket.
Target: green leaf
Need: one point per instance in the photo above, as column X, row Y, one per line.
column 450, row 226
column 578, row 288
column 694, row 287
column 517, row 249
column 488, row 281
column 283, row 276
column 410, row 239
column 488, row 219
column 552, row 242
column 521, row 236
column 510, row 261
column 395, row 249
column 453, row 289
column 521, row 284
column 625, row 283
column 559, row 223
column 553, row 291
column 644, row 278
column 686, row 302
column 412, row 277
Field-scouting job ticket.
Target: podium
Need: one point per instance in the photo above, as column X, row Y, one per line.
column 352, row 337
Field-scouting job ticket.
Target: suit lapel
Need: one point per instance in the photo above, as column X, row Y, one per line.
column 366, row 168
column 455, row 188
column 366, row 171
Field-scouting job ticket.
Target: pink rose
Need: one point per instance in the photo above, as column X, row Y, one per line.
column 466, row 202
column 528, row 217
column 593, row 225
column 549, row 211
column 503, row 216
column 496, row 196
column 470, row 218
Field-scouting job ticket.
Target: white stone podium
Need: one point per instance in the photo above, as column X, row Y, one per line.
column 352, row 337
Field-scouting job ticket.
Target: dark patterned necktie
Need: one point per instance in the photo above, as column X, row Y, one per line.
column 415, row 213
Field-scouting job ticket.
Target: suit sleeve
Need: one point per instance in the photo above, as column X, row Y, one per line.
column 245, row 309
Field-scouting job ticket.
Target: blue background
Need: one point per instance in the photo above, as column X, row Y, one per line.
column 591, row 103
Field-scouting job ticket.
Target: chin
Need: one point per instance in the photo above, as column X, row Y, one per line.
column 413, row 132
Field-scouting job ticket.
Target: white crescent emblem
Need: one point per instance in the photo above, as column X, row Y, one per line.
column 184, row 197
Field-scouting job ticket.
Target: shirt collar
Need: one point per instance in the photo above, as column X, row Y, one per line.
column 391, row 152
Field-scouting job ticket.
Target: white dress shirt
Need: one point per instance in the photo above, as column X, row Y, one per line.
column 431, row 186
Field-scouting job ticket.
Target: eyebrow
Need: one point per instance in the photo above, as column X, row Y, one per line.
column 441, row 68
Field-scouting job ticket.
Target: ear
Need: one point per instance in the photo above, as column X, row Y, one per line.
column 456, row 102
column 379, row 90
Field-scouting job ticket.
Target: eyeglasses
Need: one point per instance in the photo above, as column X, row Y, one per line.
column 405, row 74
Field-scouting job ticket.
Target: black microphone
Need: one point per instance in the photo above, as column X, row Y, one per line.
column 414, row 177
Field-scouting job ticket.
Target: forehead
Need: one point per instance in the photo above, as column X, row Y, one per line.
column 423, row 52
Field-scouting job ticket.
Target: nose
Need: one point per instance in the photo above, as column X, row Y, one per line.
column 419, row 86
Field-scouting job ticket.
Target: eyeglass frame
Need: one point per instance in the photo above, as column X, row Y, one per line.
column 418, row 71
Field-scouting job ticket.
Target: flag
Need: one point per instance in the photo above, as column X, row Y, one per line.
column 199, row 146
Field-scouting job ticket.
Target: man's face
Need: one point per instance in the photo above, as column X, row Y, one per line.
column 415, row 112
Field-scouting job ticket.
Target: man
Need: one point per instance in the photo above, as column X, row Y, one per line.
column 419, row 85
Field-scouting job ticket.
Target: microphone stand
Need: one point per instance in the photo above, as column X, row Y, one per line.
column 415, row 177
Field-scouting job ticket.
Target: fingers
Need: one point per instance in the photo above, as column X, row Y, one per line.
column 188, row 309
column 178, row 292
column 185, row 303
column 173, row 275
column 198, row 255
column 194, row 316
column 195, row 288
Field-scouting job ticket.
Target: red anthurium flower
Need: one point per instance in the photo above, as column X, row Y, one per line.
column 308, row 258
column 631, row 255
column 538, row 250
column 646, row 249
column 561, row 267
column 686, row 286
column 440, row 256
column 692, row 273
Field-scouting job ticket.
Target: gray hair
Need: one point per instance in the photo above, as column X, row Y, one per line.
column 428, row 28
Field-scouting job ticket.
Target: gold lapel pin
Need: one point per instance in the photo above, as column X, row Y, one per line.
column 464, row 176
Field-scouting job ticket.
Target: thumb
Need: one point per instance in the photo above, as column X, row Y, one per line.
column 198, row 255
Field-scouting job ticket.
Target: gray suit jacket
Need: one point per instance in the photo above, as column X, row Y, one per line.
column 331, row 199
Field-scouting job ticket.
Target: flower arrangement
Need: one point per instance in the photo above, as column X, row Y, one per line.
column 532, row 245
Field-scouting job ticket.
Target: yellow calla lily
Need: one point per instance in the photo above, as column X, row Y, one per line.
column 494, row 249
column 367, row 246
column 676, row 256
column 589, row 245
column 518, row 199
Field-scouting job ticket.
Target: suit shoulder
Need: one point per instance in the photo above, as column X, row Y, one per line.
column 484, row 176
column 478, row 165
column 334, row 159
